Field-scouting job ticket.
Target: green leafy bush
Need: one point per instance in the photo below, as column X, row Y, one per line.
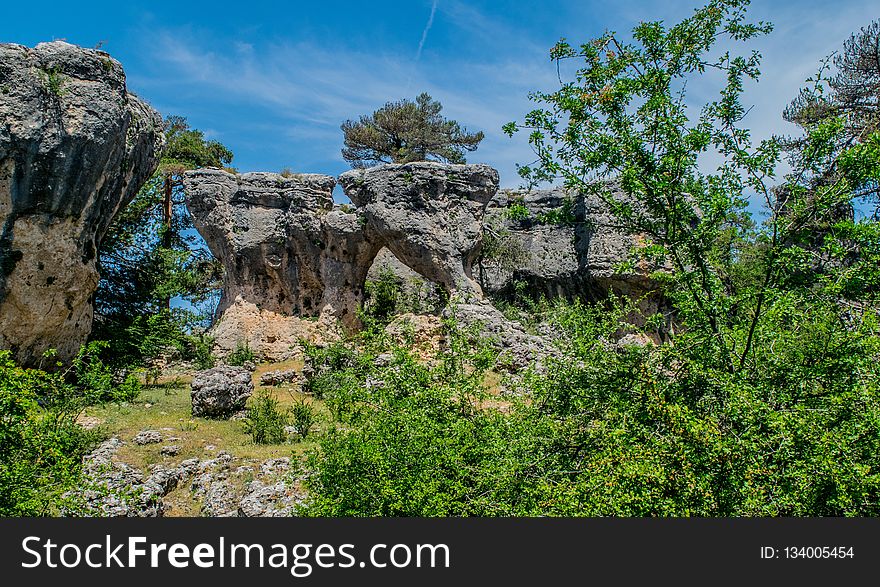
column 302, row 418
column 516, row 210
column 201, row 352
column 241, row 355
column 611, row 429
column 97, row 381
column 563, row 215
column 41, row 445
column 381, row 298
column 172, row 334
column 265, row 420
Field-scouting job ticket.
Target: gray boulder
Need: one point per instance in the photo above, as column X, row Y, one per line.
column 147, row 437
column 170, row 450
column 280, row 376
column 75, row 148
column 220, row 392
column 262, row 500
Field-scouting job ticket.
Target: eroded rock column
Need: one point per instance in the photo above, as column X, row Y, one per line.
column 75, row 148
column 288, row 256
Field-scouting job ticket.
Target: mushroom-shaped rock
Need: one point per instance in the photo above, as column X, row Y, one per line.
column 286, row 252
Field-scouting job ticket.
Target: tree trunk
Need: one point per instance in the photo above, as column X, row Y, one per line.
column 167, row 214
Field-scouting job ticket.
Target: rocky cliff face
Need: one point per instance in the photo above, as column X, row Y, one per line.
column 571, row 248
column 75, row 147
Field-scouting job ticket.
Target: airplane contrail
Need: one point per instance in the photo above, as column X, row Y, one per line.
column 427, row 28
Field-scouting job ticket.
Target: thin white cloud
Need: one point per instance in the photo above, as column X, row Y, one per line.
column 299, row 93
column 306, row 91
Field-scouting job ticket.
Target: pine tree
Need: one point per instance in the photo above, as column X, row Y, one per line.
column 405, row 131
column 151, row 255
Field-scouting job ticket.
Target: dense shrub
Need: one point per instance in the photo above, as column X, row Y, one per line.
column 241, row 355
column 405, row 437
column 265, row 420
column 97, row 381
column 381, row 297
column 302, row 418
column 617, row 430
column 41, row 445
column 174, row 334
column 332, row 365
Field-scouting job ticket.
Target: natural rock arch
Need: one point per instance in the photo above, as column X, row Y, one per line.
column 288, row 251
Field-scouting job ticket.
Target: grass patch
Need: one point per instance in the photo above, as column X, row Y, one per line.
column 170, row 412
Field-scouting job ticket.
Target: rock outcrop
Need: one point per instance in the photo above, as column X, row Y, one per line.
column 75, row 147
column 147, row 437
column 430, row 215
column 286, row 252
column 270, row 335
column 112, row 488
column 291, row 255
column 225, row 486
column 571, row 247
column 281, row 377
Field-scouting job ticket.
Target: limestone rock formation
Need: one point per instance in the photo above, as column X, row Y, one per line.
column 286, row 252
column 113, row 489
column 247, row 221
column 75, row 147
column 430, row 215
column 573, row 248
column 225, row 486
column 517, row 347
column 273, row 336
column 280, row 377
column 290, row 254
column 221, row 391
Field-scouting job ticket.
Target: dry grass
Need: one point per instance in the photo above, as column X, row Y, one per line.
column 166, row 407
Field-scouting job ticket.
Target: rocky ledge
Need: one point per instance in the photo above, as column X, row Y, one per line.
column 220, row 486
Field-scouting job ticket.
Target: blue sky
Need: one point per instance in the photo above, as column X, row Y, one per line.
column 273, row 80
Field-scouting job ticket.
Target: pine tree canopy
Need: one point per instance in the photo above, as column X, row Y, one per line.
column 405, row 131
